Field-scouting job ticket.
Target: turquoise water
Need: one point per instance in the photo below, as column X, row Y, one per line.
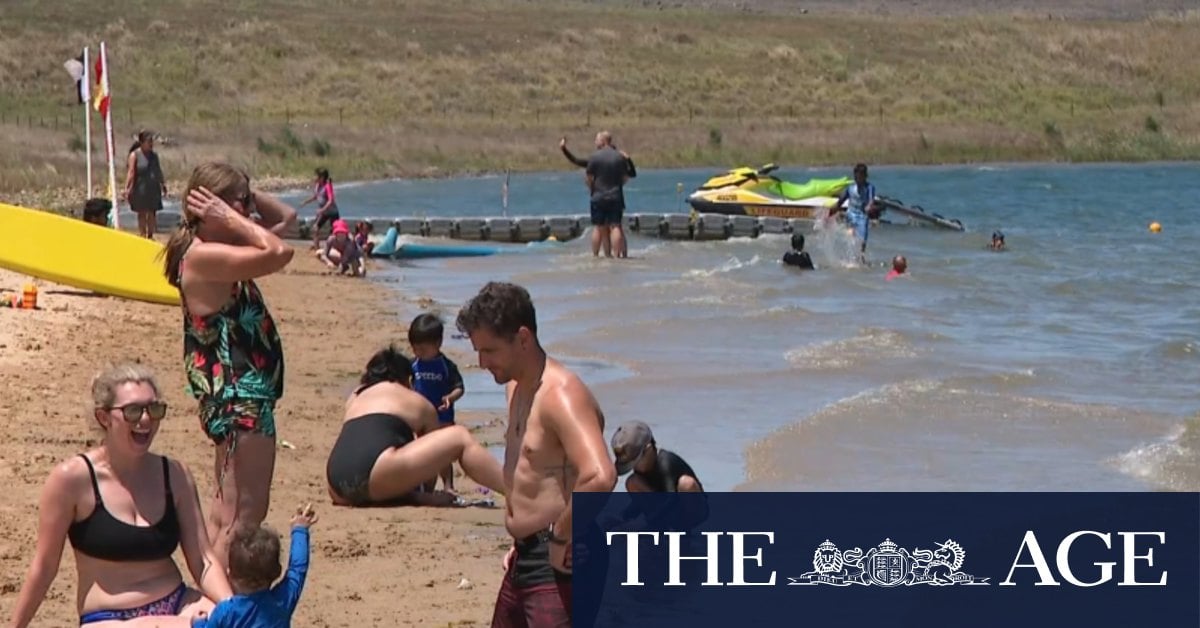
column 1069, row 362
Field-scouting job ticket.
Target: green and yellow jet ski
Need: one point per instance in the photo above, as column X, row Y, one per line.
column 755, row 192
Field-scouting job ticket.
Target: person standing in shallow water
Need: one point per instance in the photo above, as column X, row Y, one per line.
column 233, row 356
column 608, row 169
column 145, row 185
column 858, row 201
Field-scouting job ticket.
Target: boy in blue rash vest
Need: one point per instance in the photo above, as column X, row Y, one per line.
column 858, row 201
column 253, row 566
column 435, row 377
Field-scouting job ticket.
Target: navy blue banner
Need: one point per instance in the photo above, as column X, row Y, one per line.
column 886, row 559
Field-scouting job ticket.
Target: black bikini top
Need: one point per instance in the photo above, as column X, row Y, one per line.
column 101, row 535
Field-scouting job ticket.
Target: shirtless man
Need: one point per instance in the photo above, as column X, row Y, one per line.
column 554, row 445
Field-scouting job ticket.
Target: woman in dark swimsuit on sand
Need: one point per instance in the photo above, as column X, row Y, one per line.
column 390, row 443
column 103, row 502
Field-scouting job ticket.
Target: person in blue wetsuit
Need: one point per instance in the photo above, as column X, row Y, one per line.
column 436, row 377
column 253, row 566
column 858, row 201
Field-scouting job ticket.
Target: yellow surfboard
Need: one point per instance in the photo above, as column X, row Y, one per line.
column 82, row 255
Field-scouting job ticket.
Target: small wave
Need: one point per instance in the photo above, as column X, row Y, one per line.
column 711, row 298
column 1172, row 463
column 779, row 312
column 1177, row 350
column 927, row 435
column 729, row 266
column 870, row 344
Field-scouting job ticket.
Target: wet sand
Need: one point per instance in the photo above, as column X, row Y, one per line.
column 369, row 567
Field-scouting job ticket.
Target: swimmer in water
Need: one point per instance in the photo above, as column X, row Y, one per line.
column 997, row 241
column 899, row 267
column 798, row 257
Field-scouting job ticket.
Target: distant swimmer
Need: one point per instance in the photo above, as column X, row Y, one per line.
column 997, row 241
column 798, row 257
column 858, row 201
column 654, row 470
column 899, row 267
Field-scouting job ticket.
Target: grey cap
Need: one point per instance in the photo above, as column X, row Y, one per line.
column 629, row 442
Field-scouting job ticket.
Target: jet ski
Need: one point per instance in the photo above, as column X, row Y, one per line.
column 756, row 192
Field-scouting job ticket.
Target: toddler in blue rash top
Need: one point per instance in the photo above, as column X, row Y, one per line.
column 253, row 566
column 436, row 377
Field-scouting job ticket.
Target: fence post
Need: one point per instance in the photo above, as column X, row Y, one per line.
column 288, row 115
column 589, row 116
column 880, row 114
column 339, row 116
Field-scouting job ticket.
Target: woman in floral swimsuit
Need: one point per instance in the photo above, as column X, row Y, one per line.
column 232, row 352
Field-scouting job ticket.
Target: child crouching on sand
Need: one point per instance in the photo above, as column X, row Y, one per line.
column 253, row 566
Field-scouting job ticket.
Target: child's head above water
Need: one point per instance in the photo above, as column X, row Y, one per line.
column 254, row 559
column 425, row 335
column 797, row 241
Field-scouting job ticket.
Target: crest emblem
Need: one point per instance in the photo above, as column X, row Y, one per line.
column 888, row 565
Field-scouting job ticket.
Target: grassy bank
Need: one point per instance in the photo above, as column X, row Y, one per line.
column 380, row 88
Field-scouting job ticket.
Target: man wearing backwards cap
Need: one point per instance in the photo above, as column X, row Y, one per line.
column 342, row 251
column 654, row 470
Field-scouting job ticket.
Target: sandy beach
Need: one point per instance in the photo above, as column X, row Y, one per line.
column 375, row 567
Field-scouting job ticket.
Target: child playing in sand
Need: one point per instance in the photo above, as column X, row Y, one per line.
column 436, row 377
column 253, row 566
column 342, row 253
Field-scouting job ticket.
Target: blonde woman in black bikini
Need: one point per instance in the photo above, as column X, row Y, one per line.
column 103, row 502
column 390, row 443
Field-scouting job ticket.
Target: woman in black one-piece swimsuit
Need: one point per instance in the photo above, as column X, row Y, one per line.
column 390, row 443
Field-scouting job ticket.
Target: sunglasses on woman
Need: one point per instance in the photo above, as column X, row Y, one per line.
column 132, row 412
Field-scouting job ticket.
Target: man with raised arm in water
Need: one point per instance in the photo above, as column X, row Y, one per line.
column 554, row 445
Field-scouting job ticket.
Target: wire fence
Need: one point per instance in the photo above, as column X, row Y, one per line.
column 653, row 112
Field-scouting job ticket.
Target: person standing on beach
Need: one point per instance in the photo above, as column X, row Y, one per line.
column 436, row 377
column 232, row 352
column 327, row 208
column 858, row 201
column 608, row 169
column 554, row 446
column 145, row 185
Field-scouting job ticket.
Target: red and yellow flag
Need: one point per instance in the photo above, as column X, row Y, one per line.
column 100, row 99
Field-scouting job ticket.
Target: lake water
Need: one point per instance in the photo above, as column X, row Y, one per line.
column 1069, row 362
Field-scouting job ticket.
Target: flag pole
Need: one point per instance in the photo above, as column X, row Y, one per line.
column 504, row 194
column 86, row 96
column 106, row 112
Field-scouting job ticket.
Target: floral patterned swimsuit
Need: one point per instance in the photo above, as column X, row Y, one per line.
column 234, row 363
